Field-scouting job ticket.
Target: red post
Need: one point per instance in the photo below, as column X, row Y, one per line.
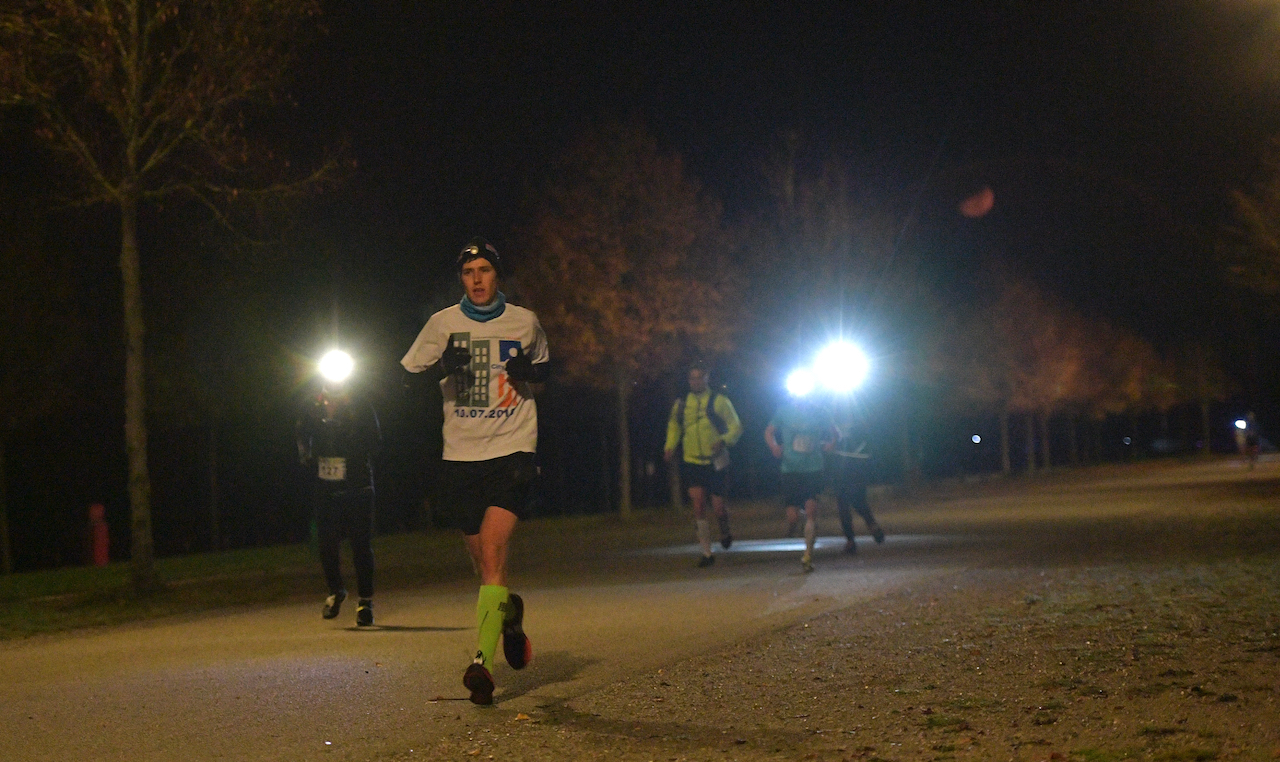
column 100, row 537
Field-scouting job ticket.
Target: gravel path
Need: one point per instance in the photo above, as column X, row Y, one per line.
column 1106, row 614
column 1173, row 655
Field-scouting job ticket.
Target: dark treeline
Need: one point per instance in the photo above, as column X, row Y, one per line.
column 1062, row 310
column 237, row 327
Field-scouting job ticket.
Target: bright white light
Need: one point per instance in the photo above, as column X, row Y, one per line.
column 841, row 367
column 336, row 365
column 1127, row 441
column 1242, row 424
column 976, row 439
column 801, row 382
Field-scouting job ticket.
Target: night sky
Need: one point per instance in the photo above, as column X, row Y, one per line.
column 1076, row 114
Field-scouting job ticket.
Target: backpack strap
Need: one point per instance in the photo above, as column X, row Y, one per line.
column 716, row 419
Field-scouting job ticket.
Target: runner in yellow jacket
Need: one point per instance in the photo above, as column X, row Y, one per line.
column 705, row 425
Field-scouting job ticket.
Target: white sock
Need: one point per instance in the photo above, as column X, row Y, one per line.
column 704, row 536
column 809, row 534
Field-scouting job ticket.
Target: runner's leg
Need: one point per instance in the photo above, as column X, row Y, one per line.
column 488, row 549
column 698, row 496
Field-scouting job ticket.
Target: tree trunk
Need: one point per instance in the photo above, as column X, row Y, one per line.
column 624, row 448
column 1046, row 458
column 1205, row 430
column 1031, row 443
column 1005, row 466
column 673, row 481
column 673, row 468
column 605, row 486
column 215, row 531
column 1073, row 438
column 6, row 552
column 141, row 548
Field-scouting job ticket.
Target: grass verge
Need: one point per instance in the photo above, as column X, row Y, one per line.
column 76, row 597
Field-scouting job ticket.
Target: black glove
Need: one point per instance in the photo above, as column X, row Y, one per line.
column 454, row 359
column 520, row 368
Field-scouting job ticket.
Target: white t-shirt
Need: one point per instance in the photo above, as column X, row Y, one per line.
column 489, row 418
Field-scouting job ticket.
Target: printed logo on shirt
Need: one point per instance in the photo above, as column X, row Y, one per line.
column 474, row 393
column 482, row 368
column 507, row 395
column 507, row 349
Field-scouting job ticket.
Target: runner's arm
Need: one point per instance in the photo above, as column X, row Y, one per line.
column 771, row 440
column 733, row 424
column 674, row 430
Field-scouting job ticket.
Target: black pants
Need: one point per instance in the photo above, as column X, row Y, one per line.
column 851, row 497
column 346, row 513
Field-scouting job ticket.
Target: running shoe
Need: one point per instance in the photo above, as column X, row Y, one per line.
column 851, row 547
column 706, row 561
column 806, row 562
column 515, row 644
column 478, row 680
column 364, row 613
column 332, row 604
column 726, row 537
column 877, row 534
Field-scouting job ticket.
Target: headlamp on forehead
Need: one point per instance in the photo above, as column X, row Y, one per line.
column 479, row 248
column 336, row 366
column 840, row 368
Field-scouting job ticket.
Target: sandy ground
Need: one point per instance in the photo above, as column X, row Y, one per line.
column 1119, row 613
column 1132, row 613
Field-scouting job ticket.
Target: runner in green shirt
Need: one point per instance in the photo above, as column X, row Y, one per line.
column 799, row 432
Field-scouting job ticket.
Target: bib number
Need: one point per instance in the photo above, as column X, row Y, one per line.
column 333, row 469
column 802, row 443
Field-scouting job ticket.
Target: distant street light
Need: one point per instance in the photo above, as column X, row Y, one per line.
column 1242, row 424
column 976, row 439
column 336, row 366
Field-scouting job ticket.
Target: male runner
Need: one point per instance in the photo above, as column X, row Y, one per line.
column 797, row 435
column 338, row 438
column 490, row 357
column 704, row 424
column 849, row 466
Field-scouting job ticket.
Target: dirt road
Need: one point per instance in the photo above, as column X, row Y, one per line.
column 1121, row 613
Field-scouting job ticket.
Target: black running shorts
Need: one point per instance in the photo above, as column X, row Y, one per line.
column 707, row 477
column 797, row 489
column 470, row 487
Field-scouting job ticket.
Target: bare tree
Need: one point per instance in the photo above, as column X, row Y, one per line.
column 145, row 99
column 829, row 258
column 631, row 268
column 970, row 357
column 1198, row 373
column 1251, row 245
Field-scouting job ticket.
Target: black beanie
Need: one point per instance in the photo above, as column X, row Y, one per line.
column 479, row 248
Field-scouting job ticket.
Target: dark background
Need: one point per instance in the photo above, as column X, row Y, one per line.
column 1111, row 134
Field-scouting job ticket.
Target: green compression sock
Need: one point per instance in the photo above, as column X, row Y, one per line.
column 489, row 608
